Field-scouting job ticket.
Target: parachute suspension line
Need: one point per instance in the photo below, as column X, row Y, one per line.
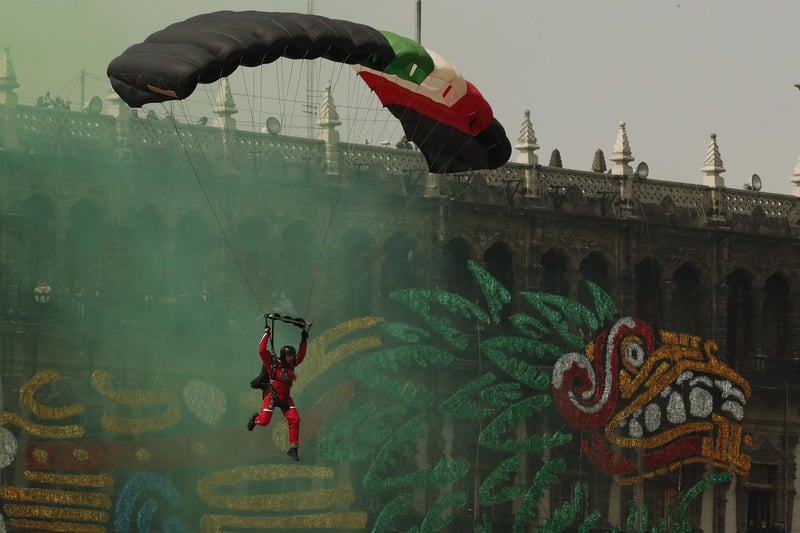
column 321, row 249
column 214, row 213
column 324, row 240
column 282, row 84
column 360, row 92
column 250, row 101
column 272, row 336
column 374, row 108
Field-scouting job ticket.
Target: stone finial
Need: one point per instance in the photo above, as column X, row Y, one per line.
column 622, row 156
column 117, row 107
column 8, row 78
column 712, row 167
column 796, row 178
column 526, row 142
column 224, row 104
column 555, row 159
column 328, row 116
column 328, row 121
column 599, row 161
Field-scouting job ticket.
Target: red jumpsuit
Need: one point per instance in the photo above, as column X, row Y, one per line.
column 281, row 377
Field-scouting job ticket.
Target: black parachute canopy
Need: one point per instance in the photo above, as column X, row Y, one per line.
column 454, row 131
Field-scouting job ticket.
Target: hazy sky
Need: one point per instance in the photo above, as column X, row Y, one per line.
column 674, row 71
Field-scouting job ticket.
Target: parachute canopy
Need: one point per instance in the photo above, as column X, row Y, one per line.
column 440, row 111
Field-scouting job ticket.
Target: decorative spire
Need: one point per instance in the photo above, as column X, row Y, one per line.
column 328, row 116
column 526, row 142
column 713, row 168
column 555, row 159
column 224, row 104
column 622, row 156
column 599, row 161
column 328, row 121
column 796, row 178
column 8, row 78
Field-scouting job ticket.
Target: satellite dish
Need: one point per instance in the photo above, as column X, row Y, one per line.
column 642, row 170
column 202, row 121
column 94, row 106
column 755, row 183
column 273, row 126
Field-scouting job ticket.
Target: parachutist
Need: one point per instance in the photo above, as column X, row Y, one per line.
column 275, row 381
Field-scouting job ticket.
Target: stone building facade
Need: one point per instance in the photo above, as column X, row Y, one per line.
column 121, row 213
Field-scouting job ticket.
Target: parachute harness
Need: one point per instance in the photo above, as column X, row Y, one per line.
column 271, row 318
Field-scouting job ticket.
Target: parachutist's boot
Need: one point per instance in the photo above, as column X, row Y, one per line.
column 252, row 422
column 293, row 453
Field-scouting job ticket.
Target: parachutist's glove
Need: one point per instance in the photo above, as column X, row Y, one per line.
column 304, row 335
column 266, row 328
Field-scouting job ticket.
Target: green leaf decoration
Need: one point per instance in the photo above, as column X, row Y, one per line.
column 493, row 435
column 546, row 476
column 397, row 507
column 502, row 394
column 405, row 332
column 502, row 473
column 529, row 326
column 371, row 371
column 376, row 429
column 559, row 311
column 434, row 521
column 461, row 405
column 485, row 525
column 636, row 513
column 421, row 300
column 496, row 295
column 566, row 515
column 402, row 444
column 497, row 349
column 683, row 524
column 603, row 304
column 589, row 522
column 337, row 444
column 680, row 522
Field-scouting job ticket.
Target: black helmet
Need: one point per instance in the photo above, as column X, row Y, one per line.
column 287, row 350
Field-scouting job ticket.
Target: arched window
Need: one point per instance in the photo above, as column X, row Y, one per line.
column 554, row 273
column 593, row 268
column 648, row 297
column 358, row 278
column 777, row 310
column 147, row 257
column 86, row 241
column 740, row 316
column 500, row 264
column 193, row 249
column 38, row 240
column 397, row 270
column 456, row 275
column 687, row 315
column 258, row 257
column 295, row 269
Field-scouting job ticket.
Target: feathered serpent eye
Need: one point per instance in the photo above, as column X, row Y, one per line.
column 633, row 352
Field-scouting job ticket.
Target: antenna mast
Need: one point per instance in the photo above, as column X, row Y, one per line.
column 311, row 106
column 419, row 21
